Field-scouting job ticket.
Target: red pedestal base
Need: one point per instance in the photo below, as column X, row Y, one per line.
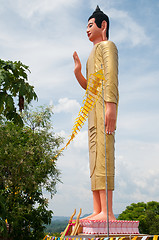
column 115, row 227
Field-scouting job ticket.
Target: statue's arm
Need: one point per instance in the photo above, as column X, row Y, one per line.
column 110, row 117
column 77, row 71
column 110, row 60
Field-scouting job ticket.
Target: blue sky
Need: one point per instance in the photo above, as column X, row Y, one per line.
column 43, row 34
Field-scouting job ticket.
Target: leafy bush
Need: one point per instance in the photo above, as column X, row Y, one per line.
column 146, row 213
column 27, row 167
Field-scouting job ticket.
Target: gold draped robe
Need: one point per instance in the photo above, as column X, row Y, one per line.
column 104, row 53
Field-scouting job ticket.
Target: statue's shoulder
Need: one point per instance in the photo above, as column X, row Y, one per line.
column 106, row 44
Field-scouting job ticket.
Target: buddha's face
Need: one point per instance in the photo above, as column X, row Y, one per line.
column 94, row 33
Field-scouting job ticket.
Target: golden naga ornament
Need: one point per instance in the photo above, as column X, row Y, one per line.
column 93, row 91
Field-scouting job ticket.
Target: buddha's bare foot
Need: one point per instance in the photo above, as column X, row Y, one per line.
column 103, row 216
column 90, row 216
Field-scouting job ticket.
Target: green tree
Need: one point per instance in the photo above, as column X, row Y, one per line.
column 27, row 168
column 14, row 89
column 3, row 226
column 146, row 213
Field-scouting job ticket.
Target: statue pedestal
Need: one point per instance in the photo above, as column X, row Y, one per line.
column 115, row 227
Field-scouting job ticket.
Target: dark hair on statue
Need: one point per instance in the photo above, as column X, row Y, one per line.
column 99, row 18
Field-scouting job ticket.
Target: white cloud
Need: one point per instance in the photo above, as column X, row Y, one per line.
column 139, row 124
column 66, row 105
column 70, row 197
column 141, row 82
column 136, row 173
column 75, row 190
column 81, row 140
column 104, row 5
column 127, row 29
column 62, row 134
column 40, row 7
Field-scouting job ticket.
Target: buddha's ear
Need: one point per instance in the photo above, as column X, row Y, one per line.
column 104, row 29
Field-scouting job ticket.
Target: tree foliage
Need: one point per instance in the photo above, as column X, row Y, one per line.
column 3, row 226
column 14, row 89
column 146, row 213
column 27, row 168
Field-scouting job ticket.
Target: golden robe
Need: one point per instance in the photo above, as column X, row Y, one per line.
column 104, row 53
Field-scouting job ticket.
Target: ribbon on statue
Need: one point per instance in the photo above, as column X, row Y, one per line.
column 93, row 91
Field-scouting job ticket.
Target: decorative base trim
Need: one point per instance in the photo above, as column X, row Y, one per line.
column 115, row 227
